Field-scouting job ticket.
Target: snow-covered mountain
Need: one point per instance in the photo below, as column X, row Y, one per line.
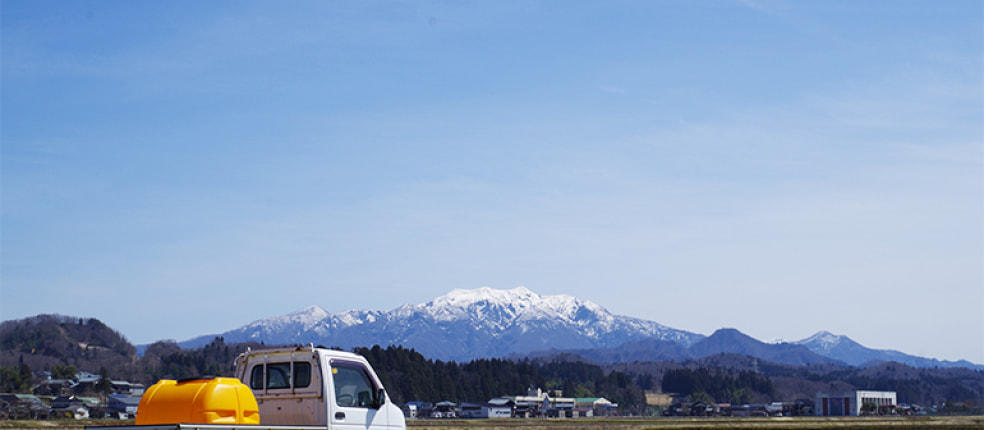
column 462, row 325
column 486, row 322
column 842, row 348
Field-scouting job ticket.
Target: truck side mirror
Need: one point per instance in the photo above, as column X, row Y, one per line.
column 380, row 398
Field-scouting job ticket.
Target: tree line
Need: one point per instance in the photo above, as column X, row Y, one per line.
column 703, row 384
column 409, row 376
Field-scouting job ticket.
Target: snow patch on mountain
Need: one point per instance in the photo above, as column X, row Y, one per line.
column 824, row 341
column 304, row 319
column 355, row 317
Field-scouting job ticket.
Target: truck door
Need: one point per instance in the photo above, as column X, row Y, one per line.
column 355, row 406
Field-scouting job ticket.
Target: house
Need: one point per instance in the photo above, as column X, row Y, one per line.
column 68, row 407
column 91, row 402
column 600, row 406
column 23, row 406
column 86, row 381
column 445, row 410
column 62, row 402
column 417, row 409
column 411, row 409
column 73, row 407
column 56, row 387
column 582, row 413
column 87, row 377
column 74, row 412
column 502, row 407
column 127, row 387
column 124, row 404
column 503, row 401
column 753, row 410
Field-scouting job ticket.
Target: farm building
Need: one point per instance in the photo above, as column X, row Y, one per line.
column 852, row 402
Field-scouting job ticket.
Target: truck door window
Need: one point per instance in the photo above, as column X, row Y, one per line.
column 353, row 387
column 278, row 375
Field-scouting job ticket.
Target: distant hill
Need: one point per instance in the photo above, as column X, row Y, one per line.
column 921, row 386
column 722, row 342
column 45, row 340
column 733, row 341
column 822, row 348
column 844, row 349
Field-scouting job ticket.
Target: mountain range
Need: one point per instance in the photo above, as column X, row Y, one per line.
column 485, row 322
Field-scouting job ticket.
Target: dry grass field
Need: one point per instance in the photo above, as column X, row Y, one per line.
column 975, row 422
column 920, row 423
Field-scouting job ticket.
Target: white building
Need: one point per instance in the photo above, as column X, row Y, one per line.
column 485, row 410
column 850, row 403
column 599, row 406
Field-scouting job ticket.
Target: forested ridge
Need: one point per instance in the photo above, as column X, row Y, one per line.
column 50, row 342
column 64, row 345
column 410, row 376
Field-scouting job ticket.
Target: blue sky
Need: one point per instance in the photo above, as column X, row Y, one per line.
column 183, row 168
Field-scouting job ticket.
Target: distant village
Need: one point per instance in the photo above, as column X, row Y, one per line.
column 75, row 398
column 537, row 403
column 78, row 398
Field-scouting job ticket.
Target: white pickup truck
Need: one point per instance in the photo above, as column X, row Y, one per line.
column 304, row 388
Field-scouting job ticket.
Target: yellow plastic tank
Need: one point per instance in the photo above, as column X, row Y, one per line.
column 198, row 401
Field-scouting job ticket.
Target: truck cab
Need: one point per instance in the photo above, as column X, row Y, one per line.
column 308, row 386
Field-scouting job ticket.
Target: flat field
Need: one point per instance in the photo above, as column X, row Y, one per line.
column 920, row 423
column 808, row 423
